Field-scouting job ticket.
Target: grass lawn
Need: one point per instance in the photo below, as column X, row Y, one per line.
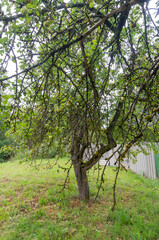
column 32, row 206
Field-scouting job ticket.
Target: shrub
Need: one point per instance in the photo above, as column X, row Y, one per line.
column 6, row 153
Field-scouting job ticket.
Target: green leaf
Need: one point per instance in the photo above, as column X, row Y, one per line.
column 91, row 4
column 98, row 1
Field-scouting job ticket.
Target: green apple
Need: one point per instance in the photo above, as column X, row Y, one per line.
column 24, row 10
column 46, row 23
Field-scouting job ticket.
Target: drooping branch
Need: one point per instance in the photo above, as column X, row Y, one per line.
column 50, row 55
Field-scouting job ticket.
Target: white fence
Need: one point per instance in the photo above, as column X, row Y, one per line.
column 144, row 164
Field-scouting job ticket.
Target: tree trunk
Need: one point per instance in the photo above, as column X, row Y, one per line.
column 82, row 182
column 77, row 151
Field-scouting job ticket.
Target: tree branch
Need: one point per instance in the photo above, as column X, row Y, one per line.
column 111, row 14
column 111, row 143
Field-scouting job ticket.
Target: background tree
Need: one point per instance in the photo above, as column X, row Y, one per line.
column 6, row 143
column 86, row 77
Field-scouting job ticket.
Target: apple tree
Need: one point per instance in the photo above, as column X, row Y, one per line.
column 83, row 77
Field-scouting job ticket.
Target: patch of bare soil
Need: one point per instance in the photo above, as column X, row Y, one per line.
column 4, row 180
column 75, row 202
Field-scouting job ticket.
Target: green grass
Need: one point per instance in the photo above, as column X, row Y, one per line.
column 32, row 206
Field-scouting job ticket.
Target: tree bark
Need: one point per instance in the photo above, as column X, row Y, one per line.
column 82, row 182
